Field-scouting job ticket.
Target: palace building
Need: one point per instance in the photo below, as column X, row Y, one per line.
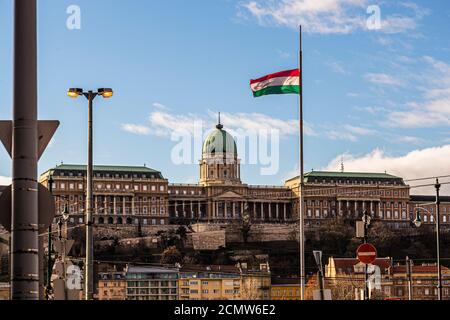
column 125, row 195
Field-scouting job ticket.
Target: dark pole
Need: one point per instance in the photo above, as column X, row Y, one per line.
column 301, row 183
column 49, row 260
column 438, row 241
column 89, row 267
column 366, row 276
column 24, row 220
column 409, row 277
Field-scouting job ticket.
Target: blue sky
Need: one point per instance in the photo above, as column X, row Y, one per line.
column 378, row 98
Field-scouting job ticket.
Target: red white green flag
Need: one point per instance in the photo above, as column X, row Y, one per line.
column 283, row 82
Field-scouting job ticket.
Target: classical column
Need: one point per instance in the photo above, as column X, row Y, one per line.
column 270, row 211
column 199, row 210
column 176, row 209
column 115, row 205
column 379, row 209
column 234, row 210
column 105, row 205
column 356, row 209
column 371, row 209
column 242, row 209
column 284, row 212
column 132, row 205
column 254, row 210
column 262, row 211
column 183, row 212
column 124, row 204
column 339, row 207
column 277, row 213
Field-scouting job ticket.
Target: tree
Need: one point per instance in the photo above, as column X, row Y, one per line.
column 171, row 256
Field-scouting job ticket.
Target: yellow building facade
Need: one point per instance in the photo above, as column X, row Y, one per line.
column 209, row 283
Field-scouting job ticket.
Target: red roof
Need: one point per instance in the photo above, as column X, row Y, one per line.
column 212, row 268
column 428, row 268
column 346, row 265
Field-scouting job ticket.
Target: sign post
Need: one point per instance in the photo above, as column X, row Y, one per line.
column 366, row 253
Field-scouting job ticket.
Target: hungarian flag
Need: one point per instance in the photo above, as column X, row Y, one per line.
column 277, row 83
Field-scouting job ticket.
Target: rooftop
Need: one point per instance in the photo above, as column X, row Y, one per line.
column 346, row 265
column 212, row 269
column 150, row 269
column 347, row 175
column 105, row 168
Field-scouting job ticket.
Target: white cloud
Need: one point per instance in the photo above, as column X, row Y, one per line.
column 348, row 133
column 160, row 106
column 429, row 162
column 136, row 129
column 434, row 109
column 5, row 181
column 341, row 135
column 384, row 79
column 327, row 16
column 163, row 124
column 359, row 130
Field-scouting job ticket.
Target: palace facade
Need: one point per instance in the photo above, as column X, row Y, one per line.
column 125, row 195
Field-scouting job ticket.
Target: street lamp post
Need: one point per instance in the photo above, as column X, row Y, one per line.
column 48, row 288
column 418, row 222
column 89, row 265
column 366, row 219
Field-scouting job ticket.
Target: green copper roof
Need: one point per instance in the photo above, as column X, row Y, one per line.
column 346, row 175
column 104, row 168
column 219, row 141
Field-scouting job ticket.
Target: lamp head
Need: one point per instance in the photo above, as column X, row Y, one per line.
column 366, row 218
column 74, row 92
column 105, row 92
column 418, row 220
column 65, row 212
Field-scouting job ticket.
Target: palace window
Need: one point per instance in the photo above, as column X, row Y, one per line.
column 136, row 188
column 161, row 188
column 153, row 188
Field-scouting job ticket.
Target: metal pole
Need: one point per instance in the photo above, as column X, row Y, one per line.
column 301, row 184
column 49, row 260
column 366, row 276
column 408, row 275
column 89, row 267
column 24, row 223
column 438, row 241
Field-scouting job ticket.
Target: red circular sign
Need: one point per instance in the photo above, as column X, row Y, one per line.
column 366, row 253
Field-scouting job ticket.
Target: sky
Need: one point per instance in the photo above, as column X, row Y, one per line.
column 376, row 92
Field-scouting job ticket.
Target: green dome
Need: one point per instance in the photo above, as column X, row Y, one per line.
column 219, row 141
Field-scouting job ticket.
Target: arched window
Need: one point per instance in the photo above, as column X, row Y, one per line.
column 101, row 220
column 119, row 220
column 110, row 220
column 425, row 218
column 129, row 221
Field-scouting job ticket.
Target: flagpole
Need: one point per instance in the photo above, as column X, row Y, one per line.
column 301, row 183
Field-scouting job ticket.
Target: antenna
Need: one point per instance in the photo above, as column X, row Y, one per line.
column 219, row 125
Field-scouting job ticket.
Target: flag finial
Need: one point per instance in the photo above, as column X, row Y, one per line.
column 219, row 125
